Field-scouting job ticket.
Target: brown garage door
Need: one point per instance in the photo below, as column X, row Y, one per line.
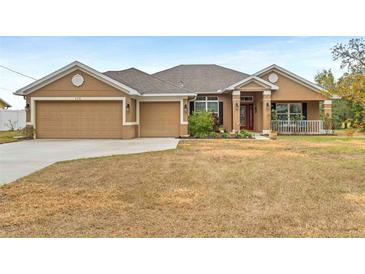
column 159, row 119
column 79, row 119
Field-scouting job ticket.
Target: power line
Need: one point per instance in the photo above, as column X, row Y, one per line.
column 5, row 89
column 9, row 69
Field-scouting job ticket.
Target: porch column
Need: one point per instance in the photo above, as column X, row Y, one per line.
column 266, row 111
column 327, row 116
column 236, row 99
column 327, row 109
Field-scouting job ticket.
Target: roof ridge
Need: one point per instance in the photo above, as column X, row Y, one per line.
column 159, row 79
column 170, row 83
column 216, row 65
column 168, row 69
column 233, row 70
column 119, row 70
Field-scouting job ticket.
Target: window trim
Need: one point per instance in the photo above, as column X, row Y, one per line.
column 246, row 101
column 206, row 103
column 288, row 113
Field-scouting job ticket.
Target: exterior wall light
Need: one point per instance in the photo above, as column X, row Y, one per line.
column 237, row 106
column 186, row 108
column 127, row 108
column 27, row 107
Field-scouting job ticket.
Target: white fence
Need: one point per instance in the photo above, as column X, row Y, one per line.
column 12, row 118
column 300, row 127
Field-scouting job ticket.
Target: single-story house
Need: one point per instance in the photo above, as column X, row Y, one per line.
column 78, row 101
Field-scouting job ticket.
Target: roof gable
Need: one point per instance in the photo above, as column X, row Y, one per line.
column 68, row 69
column 258, row 82
column 290, row 75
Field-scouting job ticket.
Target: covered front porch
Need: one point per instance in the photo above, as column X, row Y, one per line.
column 256, row 108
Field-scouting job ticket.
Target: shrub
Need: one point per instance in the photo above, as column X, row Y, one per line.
column 213, row 134
column 200, row 123
column 201, row 135
column 243, row 134
column 225, row 135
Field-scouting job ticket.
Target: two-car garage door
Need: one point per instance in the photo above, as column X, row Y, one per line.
column 103, row 119
column 79, row 119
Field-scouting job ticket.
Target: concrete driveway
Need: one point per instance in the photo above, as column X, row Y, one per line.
column 22, row 158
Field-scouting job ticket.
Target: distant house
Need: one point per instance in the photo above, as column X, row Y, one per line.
column 78, row 101
column 4, row 104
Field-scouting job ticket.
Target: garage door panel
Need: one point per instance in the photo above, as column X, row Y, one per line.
column 75, row 119
column 159, row 119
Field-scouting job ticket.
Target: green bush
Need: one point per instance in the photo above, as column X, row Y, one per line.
column 213, row 134
column 201, row 135
column 224, row 135
column 243, row 134
column 200, row 123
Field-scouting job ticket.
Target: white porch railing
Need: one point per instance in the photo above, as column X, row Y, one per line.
column 300, row 127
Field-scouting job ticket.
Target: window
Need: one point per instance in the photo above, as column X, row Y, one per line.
column 207, row 103
column 288, row 111
column 295, row 111
column 199, row 106
column 247, row 99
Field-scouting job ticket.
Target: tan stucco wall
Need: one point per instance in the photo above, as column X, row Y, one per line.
column 91, row 87
column 184, row 128
column 327, row 110
column 290, row 90
column 131, row 115
column 186, row 113
column 227, row 111
column 130, row 132
column 236, row 125
column 313, row 110
column 257, row 111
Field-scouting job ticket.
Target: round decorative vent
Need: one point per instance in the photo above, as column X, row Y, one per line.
column 273, row 77
column 77, row 80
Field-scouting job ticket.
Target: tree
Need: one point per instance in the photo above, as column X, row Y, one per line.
column 325, row 79
column 11, row 124
column 342, row 109
column 351, row 55
column 351, row 86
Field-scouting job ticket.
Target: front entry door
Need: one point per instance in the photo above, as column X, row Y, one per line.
column 246, row 116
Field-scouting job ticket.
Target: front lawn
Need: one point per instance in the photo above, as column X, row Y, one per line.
column 292, row 187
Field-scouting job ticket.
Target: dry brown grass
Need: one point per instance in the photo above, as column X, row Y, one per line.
column 293, row 187
column 8, row 136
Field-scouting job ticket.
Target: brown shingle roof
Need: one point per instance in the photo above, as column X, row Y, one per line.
column 144, row 82
column 201, row 78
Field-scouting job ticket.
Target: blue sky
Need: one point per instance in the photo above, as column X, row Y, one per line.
column 39, row 56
